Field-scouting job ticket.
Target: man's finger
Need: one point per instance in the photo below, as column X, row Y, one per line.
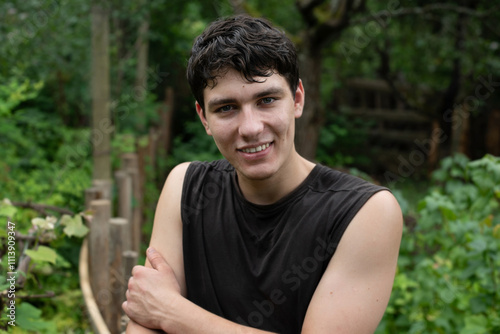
column 156, row 260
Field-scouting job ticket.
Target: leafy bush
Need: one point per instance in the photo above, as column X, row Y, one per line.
column 38, row 288
column 448, row 278
column 340, row 141
column 193, row 145
column 42, row 161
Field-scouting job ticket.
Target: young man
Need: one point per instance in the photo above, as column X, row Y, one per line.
column 264, row 240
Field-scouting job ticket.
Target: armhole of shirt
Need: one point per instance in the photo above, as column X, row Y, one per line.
column 185, row 189
column 352, row 213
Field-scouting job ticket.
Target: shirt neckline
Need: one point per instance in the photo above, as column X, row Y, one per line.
column 300, row 189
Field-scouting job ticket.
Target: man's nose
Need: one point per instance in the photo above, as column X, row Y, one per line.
column 250, row 123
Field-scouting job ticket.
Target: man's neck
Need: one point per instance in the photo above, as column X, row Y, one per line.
column 271, row 190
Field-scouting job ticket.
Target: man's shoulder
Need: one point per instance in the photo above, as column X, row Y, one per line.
column 200, row 173
column 333, row 180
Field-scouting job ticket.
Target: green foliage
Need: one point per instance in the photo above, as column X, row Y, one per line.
column 449, row 265
column 28, row 318
column 328, row 153
column 13, row 92
column 195, row 144
column 49, row 269
column 342, row 142
column 42, row 161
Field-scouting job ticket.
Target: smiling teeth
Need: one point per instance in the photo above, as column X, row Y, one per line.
column 256, row 149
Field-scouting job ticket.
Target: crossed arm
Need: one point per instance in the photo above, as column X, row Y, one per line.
column 351, row 297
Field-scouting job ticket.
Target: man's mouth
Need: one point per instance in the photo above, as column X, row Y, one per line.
column 255, row 149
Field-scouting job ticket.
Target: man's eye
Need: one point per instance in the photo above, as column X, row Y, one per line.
column 225, row 108
column 268, row 100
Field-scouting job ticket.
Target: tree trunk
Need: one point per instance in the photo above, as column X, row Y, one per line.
column 141, row 75
column 460, row 112
column 101, row 120
column 142, row 56
column 164, row 139
column 318, row 33
column 309, row 125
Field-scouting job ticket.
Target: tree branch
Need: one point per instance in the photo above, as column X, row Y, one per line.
column 48, row 294
column 306, row 9
column 336, row 18
column 42, row 207
column 29, row 237
column 427, row 10
column 238, row 6
column 385, row 73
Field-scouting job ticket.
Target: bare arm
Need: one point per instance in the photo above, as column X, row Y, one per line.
column 167, row 309
column 166, row 238
column 134, row 328
column 354, row 291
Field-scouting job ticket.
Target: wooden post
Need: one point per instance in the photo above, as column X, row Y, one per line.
column 104, row 186
column 124, row 189
column 95, row 316
column 129, row 261
column 118, row 228
column 101, row 116
column 90, row 195
column 492, row 136
column 142, row 157
column 152, row 142
column 131, row 166
column 98, row 250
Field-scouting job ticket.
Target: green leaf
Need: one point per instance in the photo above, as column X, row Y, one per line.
column 496, row 231
column 4, row 285
column 7, row 209
column 74, row 226
column 448, row 213
column 486, row 221
column 43, row 253
column 475, row 324
column 61, row 262
column 28, row 317
column 479, row 244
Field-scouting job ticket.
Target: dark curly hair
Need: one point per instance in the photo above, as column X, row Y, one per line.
column 251, row 46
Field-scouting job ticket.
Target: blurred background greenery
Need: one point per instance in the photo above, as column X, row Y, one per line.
column 403, row 93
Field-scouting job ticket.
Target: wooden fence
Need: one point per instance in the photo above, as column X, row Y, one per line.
column 394, row 129
column 111, row 249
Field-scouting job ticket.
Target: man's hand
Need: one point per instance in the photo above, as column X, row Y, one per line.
column 152, row 292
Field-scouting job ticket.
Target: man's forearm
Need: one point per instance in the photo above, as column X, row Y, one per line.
column 188, row 317
column 134, row 328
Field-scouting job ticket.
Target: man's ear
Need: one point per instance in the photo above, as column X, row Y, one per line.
column 201, row 114
column 300, row 96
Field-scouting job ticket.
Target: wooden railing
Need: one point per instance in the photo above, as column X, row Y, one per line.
column 111, row 248
column 391, row 129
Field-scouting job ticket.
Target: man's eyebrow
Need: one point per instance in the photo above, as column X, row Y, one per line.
column 223, row 101
column 270, row 91
column 219, row 101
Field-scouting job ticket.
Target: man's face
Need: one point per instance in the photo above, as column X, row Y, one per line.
column 253, row 124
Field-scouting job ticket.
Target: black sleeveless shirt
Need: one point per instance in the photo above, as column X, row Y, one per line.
column 259, row 265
